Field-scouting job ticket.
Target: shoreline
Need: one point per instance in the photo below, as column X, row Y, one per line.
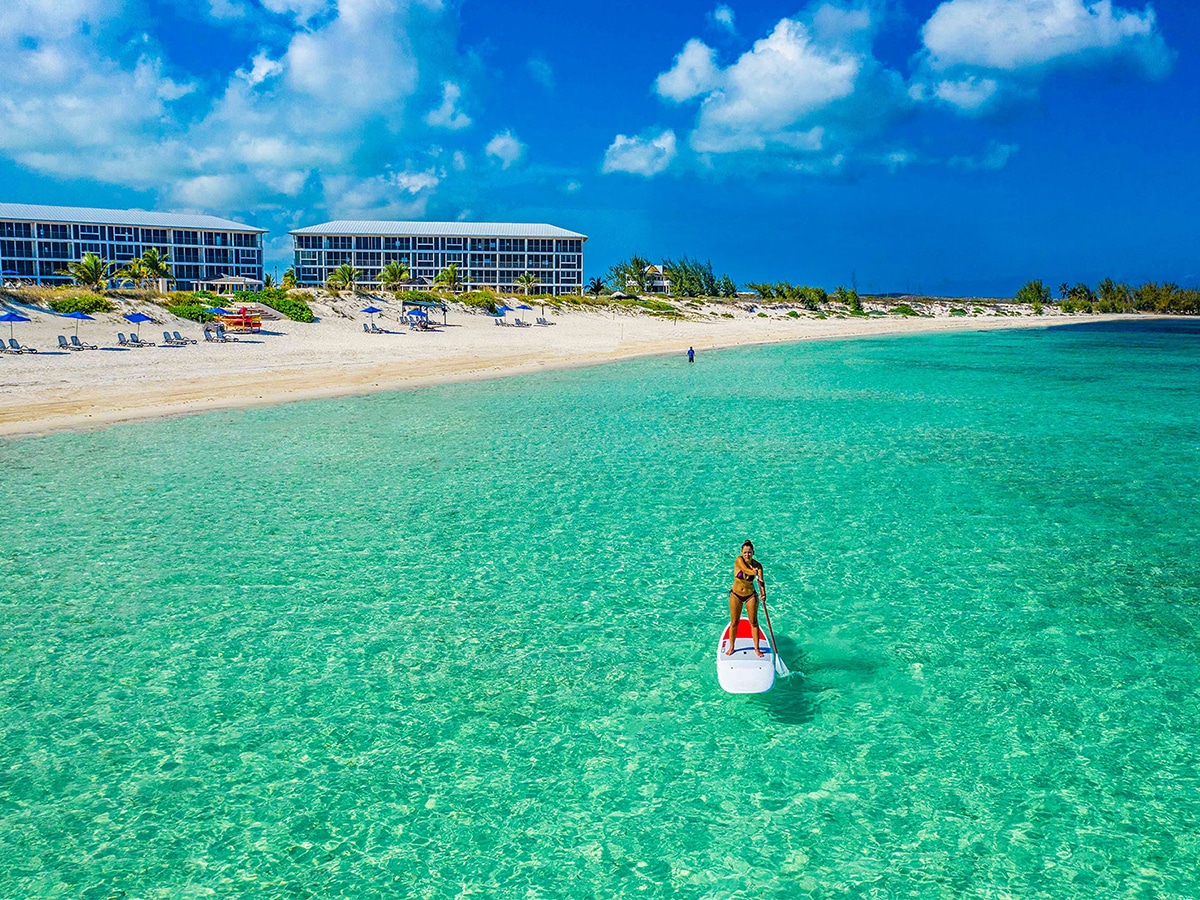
column 91, row 391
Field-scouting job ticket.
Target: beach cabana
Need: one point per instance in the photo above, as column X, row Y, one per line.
column 423, row 305
column 229, row 284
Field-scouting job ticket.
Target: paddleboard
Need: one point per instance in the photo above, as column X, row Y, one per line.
column 743, row 672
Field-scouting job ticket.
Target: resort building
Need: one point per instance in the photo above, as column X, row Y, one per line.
column 491, row 255
column 37, row 242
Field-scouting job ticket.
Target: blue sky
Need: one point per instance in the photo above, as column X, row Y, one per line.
column 959, row 147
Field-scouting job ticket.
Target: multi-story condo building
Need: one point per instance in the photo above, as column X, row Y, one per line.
column 489, row 255
column 37, row 242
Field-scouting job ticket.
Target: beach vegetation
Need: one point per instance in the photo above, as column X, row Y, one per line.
column 848, row 297
column 91, row 272
column 343, row 278
column 156, row 266
column 630, row 274
column 197, row 312
column 282, row 301
column 449, row 279
column 763, row 315
column 957, row 311
column 288, row 282
column 84, row 303
column 135, row 273
column 792, row 314
column 1033, row 292
column 1038, row 307
column 525, row 281
column 903, row 309
column 392, row 276
column 596, row 287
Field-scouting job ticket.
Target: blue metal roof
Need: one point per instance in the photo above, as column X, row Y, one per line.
column 32, row 212
column 440, row 229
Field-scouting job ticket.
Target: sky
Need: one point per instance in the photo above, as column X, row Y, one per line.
column 959, row 148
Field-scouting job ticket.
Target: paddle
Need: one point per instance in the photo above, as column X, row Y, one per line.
column 781, row 668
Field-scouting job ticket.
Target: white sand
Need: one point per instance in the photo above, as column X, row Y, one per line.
column 56, row 390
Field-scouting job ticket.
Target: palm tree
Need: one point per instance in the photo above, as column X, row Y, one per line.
column 135, row 271
column 527, row 281
column 289, row 278
column 393, row 275
column 596, row 287
column 448, row 278
column 91, row 272
column 343, row 278
column 1063, row 290
column 268, row 281
column 158, row 266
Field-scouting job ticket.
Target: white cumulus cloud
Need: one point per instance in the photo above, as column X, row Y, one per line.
column 646, row 156
column 506, row 148
column 723, row 16
column 448, row 115
column 812, row 85
column 977, row 53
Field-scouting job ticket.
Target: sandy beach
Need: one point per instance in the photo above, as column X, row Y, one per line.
column 56, row 390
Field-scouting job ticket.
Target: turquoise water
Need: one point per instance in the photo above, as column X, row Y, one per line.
column 460, row 642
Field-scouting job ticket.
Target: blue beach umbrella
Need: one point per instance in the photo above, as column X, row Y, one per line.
column 371, row 310
column 11, row 317
column 417, row 314
column 78, row 317
column 218, row 311
column 137, row 318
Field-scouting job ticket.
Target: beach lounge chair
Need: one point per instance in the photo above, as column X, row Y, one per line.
column 63, row 345
column 521, row 324
column 375, row 329
column 366, row 330
column 77, row 344
column 14, row 347
column 183, row 340
column 222, row 336
column 543, row 321
column 135, row 341
column 121, row 340
column 498, row 320
column 169, row 341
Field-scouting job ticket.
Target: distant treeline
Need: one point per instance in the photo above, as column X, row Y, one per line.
column 687, row 277
column 1115, row 297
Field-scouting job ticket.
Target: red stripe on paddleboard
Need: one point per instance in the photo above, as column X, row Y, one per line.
column 743, row 631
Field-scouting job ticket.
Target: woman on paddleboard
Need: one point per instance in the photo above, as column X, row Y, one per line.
column 745, row 569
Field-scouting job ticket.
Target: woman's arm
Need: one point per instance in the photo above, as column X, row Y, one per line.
column 762, row 579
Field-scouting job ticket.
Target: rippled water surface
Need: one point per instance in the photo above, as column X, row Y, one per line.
column 459, row 642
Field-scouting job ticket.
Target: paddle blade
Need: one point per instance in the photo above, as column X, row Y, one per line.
column 781, row 668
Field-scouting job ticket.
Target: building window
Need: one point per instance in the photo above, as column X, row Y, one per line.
column 187, row 254
column 335, row 258
column 455, row 243
column 483, row 244
column 339, row 242
column 186, row 237
column 512, row 245
column 536, row 245
column 367, row 242
column 216, row 239
column 244, row 239
column 55, row 232
column 16, row 230
column 397, row 243
column 402, row 258
column 54, row 250
column 368, row 259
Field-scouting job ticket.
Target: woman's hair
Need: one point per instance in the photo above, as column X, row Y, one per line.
column 749, row 544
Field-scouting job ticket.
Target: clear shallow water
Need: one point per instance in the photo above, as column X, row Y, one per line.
column 460, row 642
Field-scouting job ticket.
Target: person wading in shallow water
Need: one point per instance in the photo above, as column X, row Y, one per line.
column 745, row 569
column 691, row 355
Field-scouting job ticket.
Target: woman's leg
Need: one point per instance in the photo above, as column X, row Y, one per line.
column 752, row 615
column 735, row 613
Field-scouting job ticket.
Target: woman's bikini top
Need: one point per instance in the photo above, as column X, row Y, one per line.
column 743, row 575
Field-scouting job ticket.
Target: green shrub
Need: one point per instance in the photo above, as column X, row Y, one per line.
column 294, row 308
column 903, row 309
column 1037, row 307
column 792, row 314
column 957, row 311
column 763, row 315
column 84, row 303
column 194, row 311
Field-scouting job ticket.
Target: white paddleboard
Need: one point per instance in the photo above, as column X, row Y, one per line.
column 743, row 672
